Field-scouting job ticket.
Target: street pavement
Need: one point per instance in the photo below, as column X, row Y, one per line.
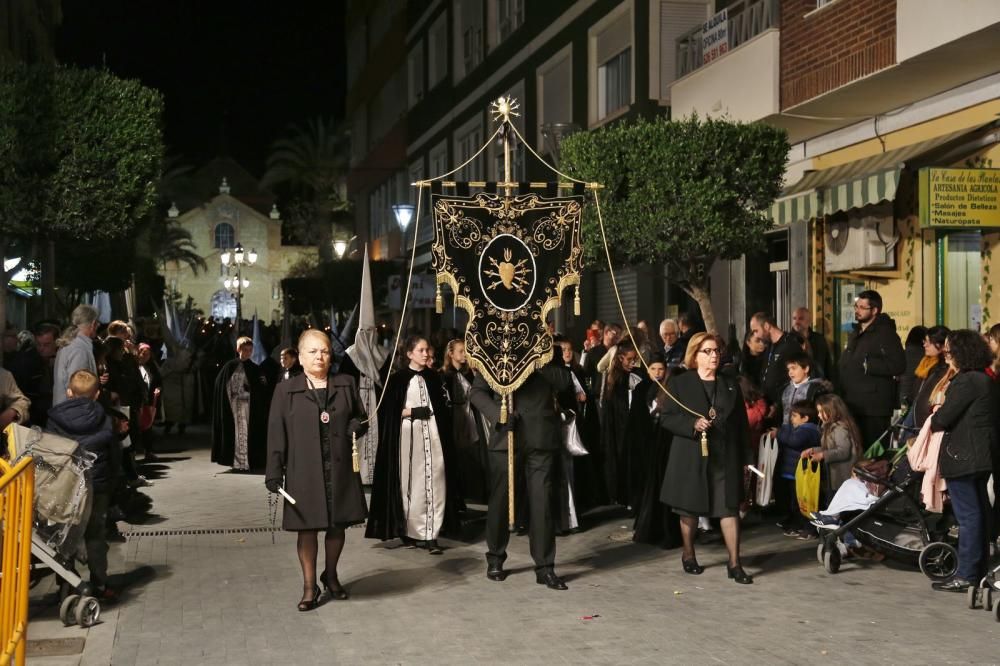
column 206, row 585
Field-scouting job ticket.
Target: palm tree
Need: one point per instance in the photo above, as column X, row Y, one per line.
column 311, row 164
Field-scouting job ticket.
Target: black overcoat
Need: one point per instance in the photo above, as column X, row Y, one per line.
column 868, row 368
column 294, row 453
column 539, row 427
column 686, row 482
column 261, row 386
column 966, row 417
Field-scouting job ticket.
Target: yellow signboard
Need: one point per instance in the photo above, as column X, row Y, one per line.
column 959, row 197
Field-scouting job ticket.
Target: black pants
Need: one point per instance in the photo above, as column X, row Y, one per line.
column 541, row 524
column 871, row 428
column 95, row 540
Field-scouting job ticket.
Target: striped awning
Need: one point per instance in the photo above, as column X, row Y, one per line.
column 850, row 185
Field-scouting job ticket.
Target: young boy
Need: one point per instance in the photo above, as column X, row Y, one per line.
column 800, row 385
column 83, row 419
column 794, row 437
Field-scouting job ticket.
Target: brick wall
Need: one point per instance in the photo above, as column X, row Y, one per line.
column 843, row 42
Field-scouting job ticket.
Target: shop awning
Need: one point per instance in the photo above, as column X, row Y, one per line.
column 850, row 185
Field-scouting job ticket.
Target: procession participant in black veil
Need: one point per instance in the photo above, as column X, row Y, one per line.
column 655, row 523
column 411, row 497
column 242, row 398
column 309, row 445
column 620, row 468
column 467, row 424
column 572, row 401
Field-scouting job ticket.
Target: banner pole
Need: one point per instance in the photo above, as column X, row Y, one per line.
column 510, row 471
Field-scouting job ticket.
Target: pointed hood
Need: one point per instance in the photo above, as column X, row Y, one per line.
column 366, row 353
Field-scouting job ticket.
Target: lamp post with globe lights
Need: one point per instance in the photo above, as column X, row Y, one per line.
column 238, row 258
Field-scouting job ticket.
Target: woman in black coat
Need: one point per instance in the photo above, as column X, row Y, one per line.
column 309, row 446
column 621, row 468
column 967, row 451
column 696, row 485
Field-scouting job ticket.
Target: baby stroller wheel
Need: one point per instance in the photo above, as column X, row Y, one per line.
column 67, row 610
column 831, row 560
column 996, row 609
column 820, row 549
column 938, row 561
column 973, row 594
column 88, row 611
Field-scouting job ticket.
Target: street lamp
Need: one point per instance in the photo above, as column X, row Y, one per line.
column 339, row 247
column 238, row 258
column 553, row 134
column 403, row 213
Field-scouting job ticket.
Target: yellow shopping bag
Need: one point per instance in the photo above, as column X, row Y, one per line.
column 807, row 475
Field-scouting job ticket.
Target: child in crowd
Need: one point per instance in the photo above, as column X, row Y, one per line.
column 840, row 444
column 82, row 419
column 799, row 434
column 800, row 385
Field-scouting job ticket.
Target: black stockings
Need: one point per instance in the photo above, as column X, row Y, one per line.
column 308, row 549
column 730, row 534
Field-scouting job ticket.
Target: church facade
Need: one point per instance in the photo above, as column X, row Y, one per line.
column 220, row 223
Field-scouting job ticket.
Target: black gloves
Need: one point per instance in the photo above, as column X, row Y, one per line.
column 357, row 428
column 513, row 419
column 420, row 413
column 272, row 485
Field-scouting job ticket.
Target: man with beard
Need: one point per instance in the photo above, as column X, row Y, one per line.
column 33, row 370
column 869, row 365
column 814, row 342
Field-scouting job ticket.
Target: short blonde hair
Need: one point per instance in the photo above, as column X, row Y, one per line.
column 313, row 333
column 697, row 340
column 243, row 341
column 84, row 384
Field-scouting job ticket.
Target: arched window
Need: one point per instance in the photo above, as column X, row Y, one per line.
column 224, row 235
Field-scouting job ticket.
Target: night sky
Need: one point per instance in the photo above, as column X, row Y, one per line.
column 233, row 74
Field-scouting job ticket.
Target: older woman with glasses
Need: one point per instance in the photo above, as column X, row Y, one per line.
column 701, row 482
column 309, row 455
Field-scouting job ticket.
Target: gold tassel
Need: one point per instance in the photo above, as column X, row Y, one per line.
column 704, row 445
column 355, row 456
column 503, row 409
column 438, row 301
column 576, row 302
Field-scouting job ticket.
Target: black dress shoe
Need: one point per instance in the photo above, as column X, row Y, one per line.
column 336, row 591
column 495, row 572
column 740, row 576
column 691, row 566
column 953, row 585
column 550, row 580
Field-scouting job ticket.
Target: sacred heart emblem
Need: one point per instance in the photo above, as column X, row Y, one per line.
column 508, row 263
column 506, row 269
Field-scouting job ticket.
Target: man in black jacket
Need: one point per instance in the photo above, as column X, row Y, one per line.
column 82, row 419
column 774, row 372
column 869, row 365
column 537, row 438
column 815, row 343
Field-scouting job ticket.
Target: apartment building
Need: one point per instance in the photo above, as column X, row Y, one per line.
column 892, row 110
column 422, row 76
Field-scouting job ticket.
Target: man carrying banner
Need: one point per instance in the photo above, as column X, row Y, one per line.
column 535, row 423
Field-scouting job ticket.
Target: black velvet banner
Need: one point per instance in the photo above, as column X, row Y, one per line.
column 508, row 260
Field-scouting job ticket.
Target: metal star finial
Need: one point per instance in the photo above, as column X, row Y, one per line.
column 504, row 108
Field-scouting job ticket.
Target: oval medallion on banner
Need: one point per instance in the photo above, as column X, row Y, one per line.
column 507, row 272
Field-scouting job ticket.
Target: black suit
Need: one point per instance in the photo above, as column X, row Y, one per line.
column 536, row 441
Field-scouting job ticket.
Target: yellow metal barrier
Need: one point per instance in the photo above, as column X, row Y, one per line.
column 17, row 492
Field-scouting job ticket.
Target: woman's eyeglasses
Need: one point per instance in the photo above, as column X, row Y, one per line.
column 711, row 351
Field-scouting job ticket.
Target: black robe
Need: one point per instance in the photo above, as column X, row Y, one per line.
column 470, row 447
column 620, row 466
column 385, row 513
column 224, row 430
column 654, row 522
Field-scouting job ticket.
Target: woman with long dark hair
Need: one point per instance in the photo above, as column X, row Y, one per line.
column 621, row 465
column 411, row 497
column 932, row 375
column 968, row 449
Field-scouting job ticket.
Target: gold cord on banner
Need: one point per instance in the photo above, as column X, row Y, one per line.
column 510, row 474
column 438, row 301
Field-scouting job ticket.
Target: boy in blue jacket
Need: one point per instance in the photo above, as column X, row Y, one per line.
column 794, row 437
column 81, row 418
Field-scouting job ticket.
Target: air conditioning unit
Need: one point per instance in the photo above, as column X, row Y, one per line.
column 855, row 242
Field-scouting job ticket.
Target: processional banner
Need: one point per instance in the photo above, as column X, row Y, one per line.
column 507, row 259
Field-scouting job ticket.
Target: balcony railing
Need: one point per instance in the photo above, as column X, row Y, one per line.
column 747, row 19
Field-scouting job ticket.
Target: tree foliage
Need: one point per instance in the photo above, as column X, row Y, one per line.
column 683, row 193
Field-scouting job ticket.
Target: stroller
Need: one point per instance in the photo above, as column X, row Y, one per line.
column 62, row 509
column 895, row 525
